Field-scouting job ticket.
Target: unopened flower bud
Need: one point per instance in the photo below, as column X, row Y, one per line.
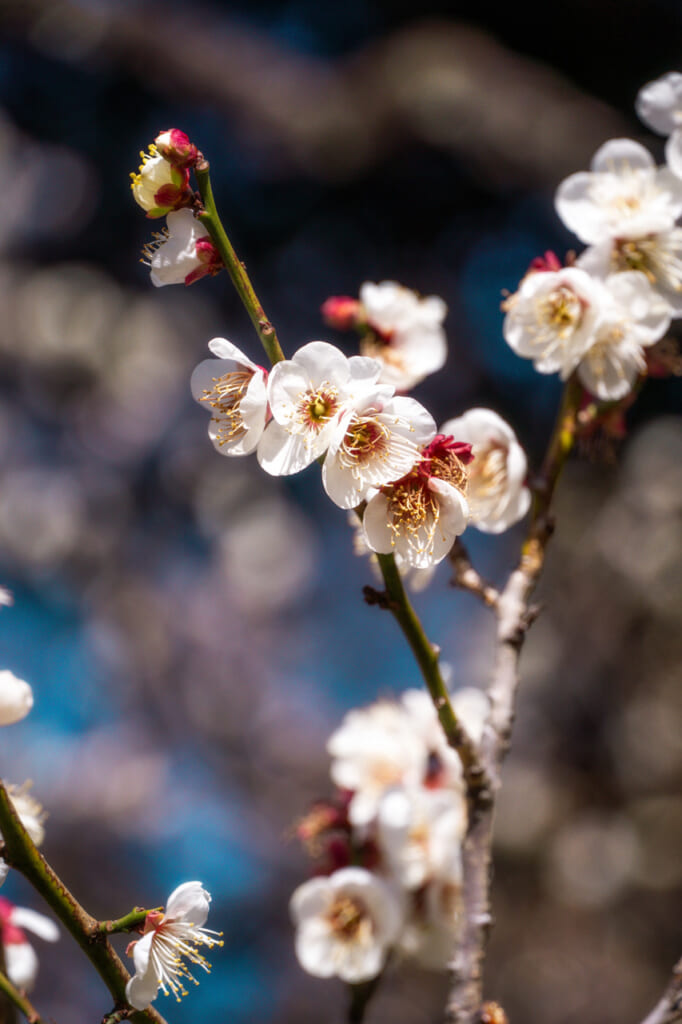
column 159, row 187
column 175, row 147
column 342, row 312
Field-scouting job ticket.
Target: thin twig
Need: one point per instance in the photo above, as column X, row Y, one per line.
column 235, row 268
column 514, row 616
column 128, row 923
column 19, row 1000
column 669, row 1009
column 21, row 853
column 467, row 578
column 426, row 654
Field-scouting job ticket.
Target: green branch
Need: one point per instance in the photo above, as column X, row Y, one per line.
column 398, row 603
column 19, row 1000
column 234, row 267
column 21, row 853
column 128, row 923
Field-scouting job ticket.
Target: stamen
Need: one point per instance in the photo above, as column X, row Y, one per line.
column 225, row 397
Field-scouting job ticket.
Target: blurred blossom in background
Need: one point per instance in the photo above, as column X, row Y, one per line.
column 194, row 630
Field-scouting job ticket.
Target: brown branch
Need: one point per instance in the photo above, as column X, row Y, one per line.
column 466, row 577
column 669, row 1009
column 514, row 616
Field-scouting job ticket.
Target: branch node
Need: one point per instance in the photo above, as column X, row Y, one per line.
column 373, row 596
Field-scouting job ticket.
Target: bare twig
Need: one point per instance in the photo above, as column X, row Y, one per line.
column 19, row 1000
column 669, row 1009
column 514, row 616
column 466, row 577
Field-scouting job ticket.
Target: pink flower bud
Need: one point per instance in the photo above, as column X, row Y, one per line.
column 549, row 262
column 342, row 312
column 174, row 146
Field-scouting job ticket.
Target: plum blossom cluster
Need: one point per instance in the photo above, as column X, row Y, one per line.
column 416, row 488
column 387, row 849
column 601, row 314
column 183, row 252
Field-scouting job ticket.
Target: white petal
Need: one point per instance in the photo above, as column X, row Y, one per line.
column 375, row 526
column 189, row 902
column 141, row 951
column 44, row 927
column 310, row 899
column 224, row 349
column 21, row 963
column 142, row 989
column 673, row 152
column 281, row 453
column 617, row 155
column 16, row 698
column 320, row 361
column 659, row 103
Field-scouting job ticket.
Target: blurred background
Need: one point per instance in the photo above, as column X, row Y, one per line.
column 194, row 630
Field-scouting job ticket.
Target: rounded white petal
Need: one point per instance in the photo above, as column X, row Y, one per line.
column 44, row 927
column 316, row 949
column 189, row 902
column 454, row 510
column 310, row 899
column 142, row 989
column 610, row 371
column 375, row 525
column 177, row 257
column 281, row 453
column 659, row 103
column 673, row 152
column 618, row 155
column 141, row 953
column 21, row 964
column 319, row 361
column 224, row 349
column 16, row 698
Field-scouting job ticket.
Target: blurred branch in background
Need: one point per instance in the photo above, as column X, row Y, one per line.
column 448, row 84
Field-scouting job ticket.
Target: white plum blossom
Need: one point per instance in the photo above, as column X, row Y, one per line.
column 374, row 749
column 308, row 396
column 407, row 332
column 552, row 317
column 16, row 698
column 159, row 186
column 624, row 195
column 346, row 924
column 31, row 815
column 420, row 834
column 659, row 105
column 168, row 938
column 419, row 516
column 496, row 489
column 183, row 253
column 636, row 318
column 376, row 441
column 658, row 256
column 21, row 960
column 233, row 388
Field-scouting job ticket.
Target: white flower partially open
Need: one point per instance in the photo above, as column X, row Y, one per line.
column 471, row 707
column 377, row 441
column 168, row 938
column 345, row 924
column 434, row 926
column 636, row 318
column 659, row 104
column 184, row 253
column 31, row 815
column 408, row 332
column 234, row 390
column 624, row 195
column 374, row 749
column 551, row 318
column 496, row 489
column 308, row 395
column 16, row 698
column 420, row 834
column 159, row 186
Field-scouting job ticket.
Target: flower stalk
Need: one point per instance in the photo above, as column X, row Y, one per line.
column 235, row 268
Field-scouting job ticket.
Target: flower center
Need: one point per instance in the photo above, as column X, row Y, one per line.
column 365, row 439
column 348, row 918
column 489, row 470
column 317, row 407
column 225, row 397
column 561, row 310
column 411, row 506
